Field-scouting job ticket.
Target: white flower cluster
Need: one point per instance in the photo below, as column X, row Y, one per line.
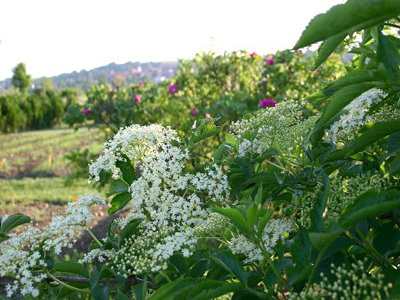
column 355, row 118
column 135, row 142
column 20, row 253
column 169, row 199
column 276, row 230
column 281, row 127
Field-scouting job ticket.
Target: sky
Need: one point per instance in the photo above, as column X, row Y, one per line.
column 59, row 36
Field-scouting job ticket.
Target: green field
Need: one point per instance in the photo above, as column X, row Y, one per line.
column 34, row 169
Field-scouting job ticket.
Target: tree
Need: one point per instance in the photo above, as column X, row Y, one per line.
column 20, row 79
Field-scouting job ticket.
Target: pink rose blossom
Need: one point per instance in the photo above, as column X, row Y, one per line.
column 207, row 115
column 194, row 112
column 267, row 102
column 140, row 84
column 271, row 61
column 137, row 98
column 253, row 54
column 86, row 111
column 172, row 89
column 299, row 52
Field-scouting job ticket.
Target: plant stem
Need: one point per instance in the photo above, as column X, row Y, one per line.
column 372, row 249
column 70, row 287
column 276, row 272
column 94, row 237
column 165, row 276
column 316, row 264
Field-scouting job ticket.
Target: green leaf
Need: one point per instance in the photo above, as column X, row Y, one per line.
column 347, row 18
column 373, row 133
column 119, row 202
column 393, row 144
column 336, row 103
column 180, row 263
column 117, row 186
column 212, row 289
column 121, row 295
column 387, row 236
column 395, row 166
column 388, row 54
column 204, row 135
column 220, row 152
column 199, row 268
column 13, row 221
column 230, row 139
column 320, row 240
column 320, row 205
column 326, row 49
column 140, row 290
column 129, row 230
column 101, row 292
column 128, row 171
column 71, row 267
column 263, row 222
column 231, row 263
column 167, row 290
column 369, row 204
column 251, row 215
column 355, row 77
column 235, row 216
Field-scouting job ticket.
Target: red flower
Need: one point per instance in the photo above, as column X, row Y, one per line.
column 267, row 102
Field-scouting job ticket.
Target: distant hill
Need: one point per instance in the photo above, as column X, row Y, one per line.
column 119, row 74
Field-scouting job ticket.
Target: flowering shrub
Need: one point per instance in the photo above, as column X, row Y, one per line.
column 292, row 205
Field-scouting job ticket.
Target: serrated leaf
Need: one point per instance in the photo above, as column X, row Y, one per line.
column 230, row 263
column 347, row 18
column 13, row 221
column 326, row 49
column 354, row 77
column 388, row 54
column 71, row 267
column 320, row 240
column 119, row 202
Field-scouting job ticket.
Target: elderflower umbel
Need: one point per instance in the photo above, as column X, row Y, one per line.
column 274, row 231
column 21, row 253
column 355, row 117
column 281, row 127
column 169, row 200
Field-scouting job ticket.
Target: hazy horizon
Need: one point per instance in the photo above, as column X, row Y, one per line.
column 56, row 37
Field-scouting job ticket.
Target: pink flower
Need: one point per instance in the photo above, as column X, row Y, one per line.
column 267, row 102
column 140, row 84
column 86, row 111
column 172, row 89
column 299, row 52
column 270, row 61
column 253, row 54
column 194, row 112
column 137, row 98
column 207, row 115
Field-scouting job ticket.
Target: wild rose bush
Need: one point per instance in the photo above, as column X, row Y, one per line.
column 292, row 205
